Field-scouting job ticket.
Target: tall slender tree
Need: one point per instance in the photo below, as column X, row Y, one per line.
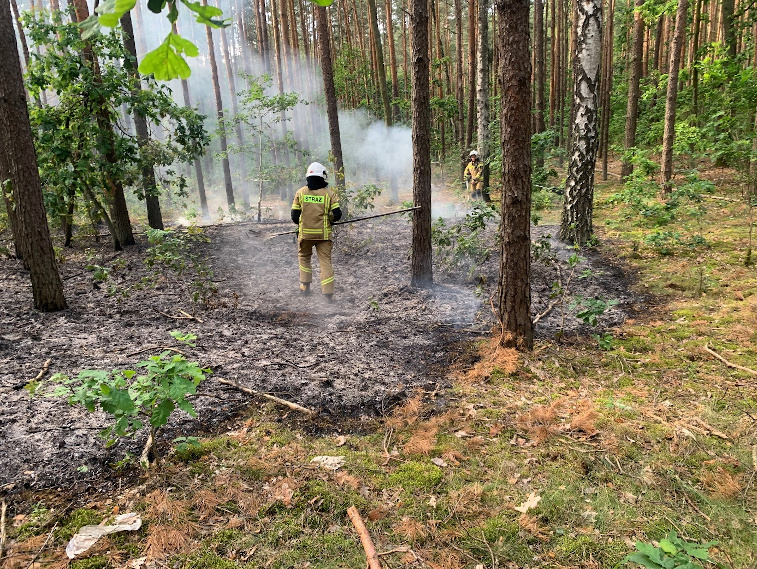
column 471, row 73
column 327, row 70
column 514, row 287
column 380, row 67
column 634, row 77
column 576, row 225
column 149, row 185
column 671, row 99
column 119, row 213
column 219, row 115
column 19, row 176
column 483, row 91
column 421, row 271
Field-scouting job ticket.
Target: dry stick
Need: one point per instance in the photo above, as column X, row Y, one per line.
column 365, row 538
column 2, row 529
column 155, row 348
column 547, row 311
column 189, row 315
column 43, row 371
column 289, row 404
column 43, row 546
column 729, row 364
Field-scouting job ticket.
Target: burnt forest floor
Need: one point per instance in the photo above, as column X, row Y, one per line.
column 604, row 435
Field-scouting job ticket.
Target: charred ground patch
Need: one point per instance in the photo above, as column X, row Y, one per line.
column 354, row 359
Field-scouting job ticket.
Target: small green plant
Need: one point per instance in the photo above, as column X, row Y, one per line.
column 131, row 399
column 591, row 309
column 362, row 199
column 672, row 553
column 462, row 244
column 185, row 444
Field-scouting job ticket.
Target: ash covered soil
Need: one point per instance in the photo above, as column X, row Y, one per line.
column 355, row 359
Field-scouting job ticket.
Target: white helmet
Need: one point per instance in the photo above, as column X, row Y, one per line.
column 316, row 169
column 473, row 153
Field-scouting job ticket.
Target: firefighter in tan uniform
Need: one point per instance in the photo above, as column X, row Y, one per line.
column 315, row 208
column 474, row 172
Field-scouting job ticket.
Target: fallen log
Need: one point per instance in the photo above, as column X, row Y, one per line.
column 293, row 406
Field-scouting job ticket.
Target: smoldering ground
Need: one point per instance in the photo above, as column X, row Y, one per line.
column 357, row 358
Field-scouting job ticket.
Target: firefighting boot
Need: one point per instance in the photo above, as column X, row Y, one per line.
column 329, row 297
column 305, row 288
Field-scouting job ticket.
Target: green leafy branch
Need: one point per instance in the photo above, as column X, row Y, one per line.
column 672, row 553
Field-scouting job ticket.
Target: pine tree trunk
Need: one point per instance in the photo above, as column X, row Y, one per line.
column 539, row 59
column 606, row 87
column 241, row 158
column 392, row 61
column 632, row 108
column 459, row 89
column 471, row 73
column 514, row 286
column 119, row 213
column 553, row 65
column 672, row 96
column 197, row 162
column 18, row 161
column 729, row 36
column 420, row 268
column 149, row 186
column 380, row 68
column 324, row 49
column 483, row 92
column 695, row 60
column 219, row 115
column 576, row 225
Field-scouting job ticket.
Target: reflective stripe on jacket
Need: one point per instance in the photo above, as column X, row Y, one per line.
column 315, row 222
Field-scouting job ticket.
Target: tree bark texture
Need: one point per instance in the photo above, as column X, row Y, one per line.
column 459, row 93
column 671, row 99
column 219, row 115
column 18, row 161
column 392, row 61
column 576, row 225
column 421, row 268
column 632, row 108
column 324, row 48
column 149, row 186
column 483, row 91
column 514, row 287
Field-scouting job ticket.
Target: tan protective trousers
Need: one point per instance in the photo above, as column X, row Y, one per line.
column 323, row 249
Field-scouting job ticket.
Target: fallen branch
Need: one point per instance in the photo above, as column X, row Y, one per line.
column 547, row 311
column 185, row 316
column 2, row 528
column 43, row 371
column 365, row 538
column 278, row 400
column 726, row 362
column 721, row 198
column 189, row 315
column 148, row 348
column 31, row 563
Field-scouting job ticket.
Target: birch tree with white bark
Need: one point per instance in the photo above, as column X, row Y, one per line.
column 576, row 226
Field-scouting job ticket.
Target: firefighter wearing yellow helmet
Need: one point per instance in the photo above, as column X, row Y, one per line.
column 474, row 172
column 314, row 209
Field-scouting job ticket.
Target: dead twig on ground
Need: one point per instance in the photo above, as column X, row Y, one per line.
column 278, row 400
column 148, row 348
column 365, row 538
column 387, row 439
column 547, row 311
column 403, row 549
column 2, row 528
column 184, row 316
column 43, row 371
column 31, row 563
column 726, row 362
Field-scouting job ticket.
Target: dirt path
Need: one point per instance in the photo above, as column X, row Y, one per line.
column 357, row 357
